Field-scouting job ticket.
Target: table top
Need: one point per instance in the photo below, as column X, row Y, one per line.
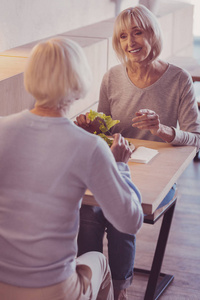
column 155, row 179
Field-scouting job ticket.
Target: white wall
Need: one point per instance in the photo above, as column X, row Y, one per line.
column 196, row 20
column 24, row 21
column 174, row 17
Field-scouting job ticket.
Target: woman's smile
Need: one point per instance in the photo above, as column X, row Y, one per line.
column 134, row 43
column 135, row 50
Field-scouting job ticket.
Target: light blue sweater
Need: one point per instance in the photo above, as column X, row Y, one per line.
column 46, row 164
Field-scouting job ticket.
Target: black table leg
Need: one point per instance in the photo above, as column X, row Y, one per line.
column 154, row 290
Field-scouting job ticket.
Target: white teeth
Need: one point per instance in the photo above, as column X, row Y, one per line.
column 133, row 51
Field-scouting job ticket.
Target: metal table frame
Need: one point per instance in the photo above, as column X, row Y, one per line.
column 155, row 290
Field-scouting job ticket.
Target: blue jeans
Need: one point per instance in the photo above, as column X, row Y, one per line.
column 121, row 246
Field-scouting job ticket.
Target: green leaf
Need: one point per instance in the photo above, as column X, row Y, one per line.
column 106, row 139
column 107, row 119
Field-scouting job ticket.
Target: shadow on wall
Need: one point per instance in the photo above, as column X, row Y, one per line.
column 117, row 6
column 122, row 4
column 152, row 5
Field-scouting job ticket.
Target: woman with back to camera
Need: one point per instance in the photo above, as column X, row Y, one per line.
column 47, row 163
column 150, row 97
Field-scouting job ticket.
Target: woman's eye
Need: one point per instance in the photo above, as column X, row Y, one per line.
column 138, row 32
column 123, row 36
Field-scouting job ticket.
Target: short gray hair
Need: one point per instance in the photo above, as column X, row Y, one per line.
column 57, row 73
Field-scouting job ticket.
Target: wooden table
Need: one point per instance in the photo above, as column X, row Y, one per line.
column 154, row 180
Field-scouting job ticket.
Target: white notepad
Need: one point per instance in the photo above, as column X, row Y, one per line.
column 143, row 155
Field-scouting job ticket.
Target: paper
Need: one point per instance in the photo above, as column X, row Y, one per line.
column 143, row 155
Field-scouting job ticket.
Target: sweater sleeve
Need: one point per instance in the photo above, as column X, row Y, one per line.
column 104, row 105
column 188, row 132
column 114, row 191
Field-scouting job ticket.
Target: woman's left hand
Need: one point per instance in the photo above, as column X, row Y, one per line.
column 147, row 119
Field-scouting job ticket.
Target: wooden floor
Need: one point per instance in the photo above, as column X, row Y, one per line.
column 182, row 256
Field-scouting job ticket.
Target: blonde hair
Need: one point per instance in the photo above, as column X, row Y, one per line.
column 57, row 73
column 145, row 20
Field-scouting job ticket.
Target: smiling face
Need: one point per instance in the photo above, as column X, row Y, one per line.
column 136, row 36
column 135, row 44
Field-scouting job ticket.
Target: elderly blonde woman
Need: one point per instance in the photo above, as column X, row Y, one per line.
column 47, row 163
column 150, row 97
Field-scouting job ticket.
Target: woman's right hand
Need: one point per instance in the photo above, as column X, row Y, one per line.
column 91, row 126
column 83, row 121
column 120, row 148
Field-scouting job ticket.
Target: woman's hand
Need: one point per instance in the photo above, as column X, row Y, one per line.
column 147, row 119
column 120, row 148
column 91, row 126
